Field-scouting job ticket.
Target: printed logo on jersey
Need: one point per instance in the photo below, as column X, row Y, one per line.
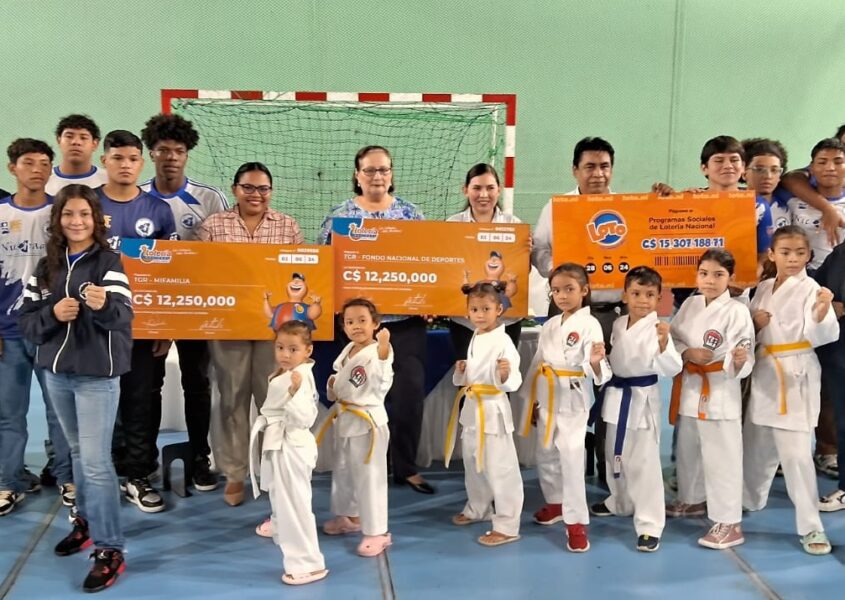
column 188, row 221
column 83, row 290
column 4, row 228
column 358, row 377
column 107, row 219
column 572, row 339
column 144, row 227
column 607, row 228
column 781, row 222
column 712, row 339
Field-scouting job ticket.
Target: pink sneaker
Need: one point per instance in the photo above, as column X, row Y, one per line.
column 373, row 545
column 681, row 509
column 340, row 526
column 265, row 528
column 722, row 536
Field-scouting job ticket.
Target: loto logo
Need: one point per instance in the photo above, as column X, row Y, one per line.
column 607, row 228
column 150, row 255
column 358, row 233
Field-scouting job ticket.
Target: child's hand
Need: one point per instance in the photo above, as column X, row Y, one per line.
column 330, row 389
column 761, row 318
column 740, row 357
column 95, row 297
column 503, row 367
column 597, row 353
column 461, row 366
column 66, row 309
column 295, row 382
column 823, row 299
column 838, row 309
column 534, row 413
column 383, row 340
column 699, row 356
column 662, row 334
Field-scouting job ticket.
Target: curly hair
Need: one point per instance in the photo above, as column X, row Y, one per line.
column 169, row 127
column 57, row 242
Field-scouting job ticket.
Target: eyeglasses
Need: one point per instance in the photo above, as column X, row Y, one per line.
column 248, row 188
column 774, row 171
column 371, row 171
column 165, row 152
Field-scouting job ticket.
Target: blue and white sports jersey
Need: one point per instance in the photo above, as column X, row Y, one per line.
column 780, row 213
column 764, row 224
column 142, row 217
column 191, row 205
column 93, row 179
column 23, row 241
column 809, row 219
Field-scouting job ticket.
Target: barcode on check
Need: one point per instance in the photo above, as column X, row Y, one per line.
column 684, row 260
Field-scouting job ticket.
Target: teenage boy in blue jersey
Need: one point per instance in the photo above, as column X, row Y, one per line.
column 132, row 213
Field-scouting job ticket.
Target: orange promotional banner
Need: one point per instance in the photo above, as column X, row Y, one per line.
column 610, row 234
column 418, row 267
column 219, row 291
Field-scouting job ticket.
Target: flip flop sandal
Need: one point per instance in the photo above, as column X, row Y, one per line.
column 461, row 519
column 816, row 538
column 494, row 538
column 303, row 578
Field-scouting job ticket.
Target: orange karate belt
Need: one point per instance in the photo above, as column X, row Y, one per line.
column 338, row 409
column 545, row 370
column 776, row 350
column 476, row 391
column 678, row 382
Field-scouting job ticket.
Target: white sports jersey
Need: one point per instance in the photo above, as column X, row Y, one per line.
column 191, row 205
column 809, row 219
column 364, row 381
column 93, row 179
column 566, row 346
column 792, row 321
column 481, row 368
column 23, row 241
column 780, row 215
column 636, row 353
column 721, row 326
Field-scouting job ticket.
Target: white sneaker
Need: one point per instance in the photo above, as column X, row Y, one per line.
column 833, row 501
column 9, row 500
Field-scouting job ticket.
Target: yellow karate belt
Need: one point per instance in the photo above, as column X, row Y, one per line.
column 338, row 409
column 774, row 350
column 476, row 391
column 677, row 385
column 549, row 373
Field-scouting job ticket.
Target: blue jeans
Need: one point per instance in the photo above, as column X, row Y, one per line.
column 87, row 408
column 17, row 364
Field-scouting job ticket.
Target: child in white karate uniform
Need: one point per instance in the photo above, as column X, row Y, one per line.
column 289, row 454
column 715, row 336
column 364, row 374
column 491, row 466
column 641, row 350
column 792, row 315
column 569, row 359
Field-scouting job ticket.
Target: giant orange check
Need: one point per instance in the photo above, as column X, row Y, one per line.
column 213, row 290
column 418, row 267
column 611, row 234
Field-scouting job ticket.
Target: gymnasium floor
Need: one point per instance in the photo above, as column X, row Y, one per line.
column 201, row 547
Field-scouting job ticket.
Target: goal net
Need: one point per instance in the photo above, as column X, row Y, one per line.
column 309, row 145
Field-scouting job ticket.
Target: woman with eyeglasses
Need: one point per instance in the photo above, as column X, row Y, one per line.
column 372, row 182
column 242, row 367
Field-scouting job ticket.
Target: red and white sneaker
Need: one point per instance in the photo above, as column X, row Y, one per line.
column 722, row 536
column 549, row 514
column 576, row 538
column 682, row 509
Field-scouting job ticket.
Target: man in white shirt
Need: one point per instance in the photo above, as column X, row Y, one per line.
column 78, row 137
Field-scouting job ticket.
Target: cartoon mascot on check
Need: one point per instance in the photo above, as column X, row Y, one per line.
column 295, row 309
column 494, row 272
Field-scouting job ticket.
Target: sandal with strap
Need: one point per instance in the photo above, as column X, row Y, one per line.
column 303, row 578
column 494, row 538
column 817, row 539
column 373, row 545
column 461, row 519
